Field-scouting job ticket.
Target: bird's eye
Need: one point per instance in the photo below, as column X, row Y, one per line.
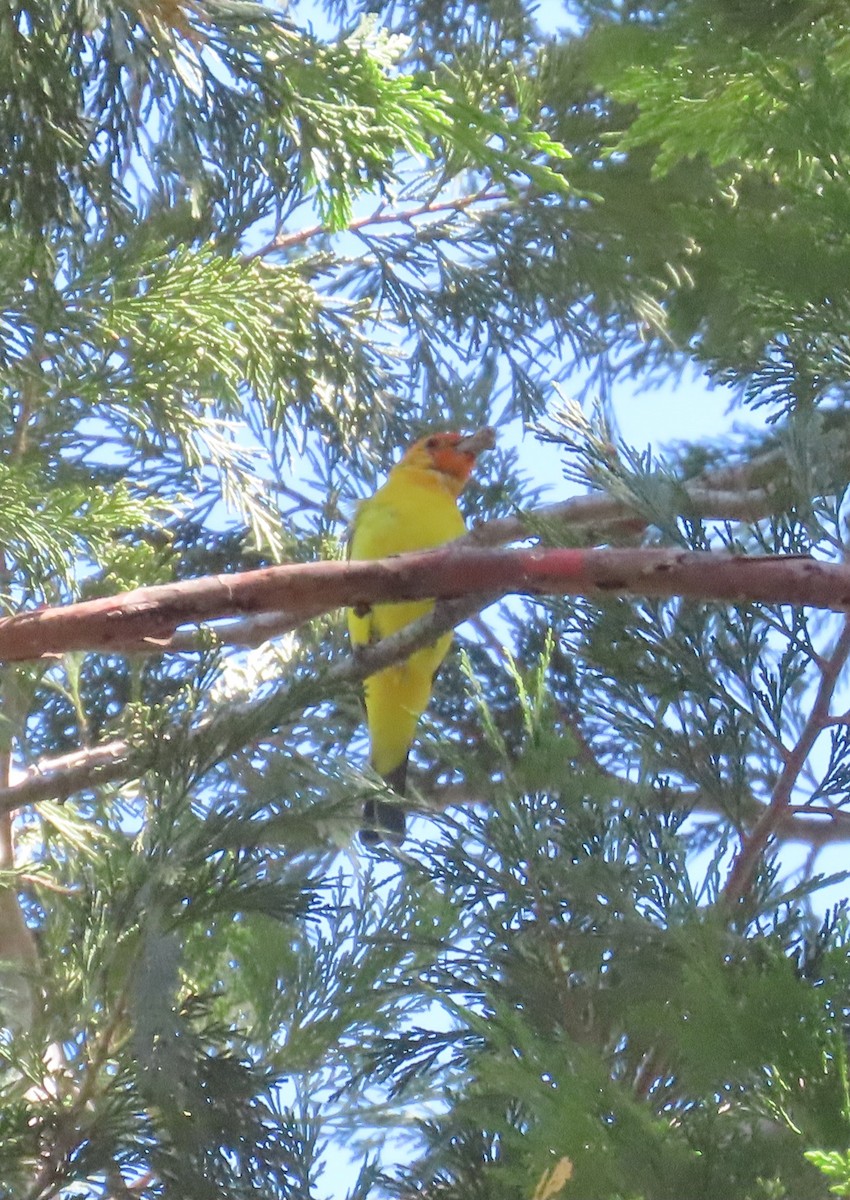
column 432, row 443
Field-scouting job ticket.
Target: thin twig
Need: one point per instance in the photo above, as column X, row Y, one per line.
column 756, row 842
column 795, row 825
column 380, row 216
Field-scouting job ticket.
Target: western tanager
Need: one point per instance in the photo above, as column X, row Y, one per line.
column 414, row 510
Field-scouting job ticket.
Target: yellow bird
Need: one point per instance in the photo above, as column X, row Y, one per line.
column 416, row 509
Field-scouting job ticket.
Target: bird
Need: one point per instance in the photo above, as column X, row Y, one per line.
column 416, row 509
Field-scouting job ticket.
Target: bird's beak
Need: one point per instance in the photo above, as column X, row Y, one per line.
column 474, row 443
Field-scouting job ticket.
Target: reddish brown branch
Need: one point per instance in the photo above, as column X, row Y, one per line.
column 58, row 778
column 150, row 616
column 381, row 216
column 776, row 813
column 61, row 776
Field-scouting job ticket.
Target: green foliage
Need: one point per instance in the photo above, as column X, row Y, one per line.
column 241, row 263
column 835, row 1167
column 558, row 1002
column 48, row 524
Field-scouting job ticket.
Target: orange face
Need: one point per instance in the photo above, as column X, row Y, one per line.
column 451, row 454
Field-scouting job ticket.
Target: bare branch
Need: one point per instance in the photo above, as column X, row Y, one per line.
column 597, row 513
column 150, row 616
column 60, row 777
column 383, row 215
column 776, row 812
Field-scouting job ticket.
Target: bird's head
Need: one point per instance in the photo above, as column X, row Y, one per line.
column 452, row 455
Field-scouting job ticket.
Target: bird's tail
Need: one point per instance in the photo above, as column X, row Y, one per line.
column 384, row 822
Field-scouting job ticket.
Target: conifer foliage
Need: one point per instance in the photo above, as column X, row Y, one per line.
column 246, row 255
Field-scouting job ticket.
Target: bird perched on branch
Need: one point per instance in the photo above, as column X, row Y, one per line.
column 415, row 509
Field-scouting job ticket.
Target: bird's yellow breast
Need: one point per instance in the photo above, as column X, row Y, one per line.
column 414, row 510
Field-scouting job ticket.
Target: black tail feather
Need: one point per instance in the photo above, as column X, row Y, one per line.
column 386, row 822
column 397, row 777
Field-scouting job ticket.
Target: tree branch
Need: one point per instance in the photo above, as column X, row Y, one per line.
column 60, row 777
column 753, row 846
column 150, row 616
column 382, row 215
column 599, row 513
